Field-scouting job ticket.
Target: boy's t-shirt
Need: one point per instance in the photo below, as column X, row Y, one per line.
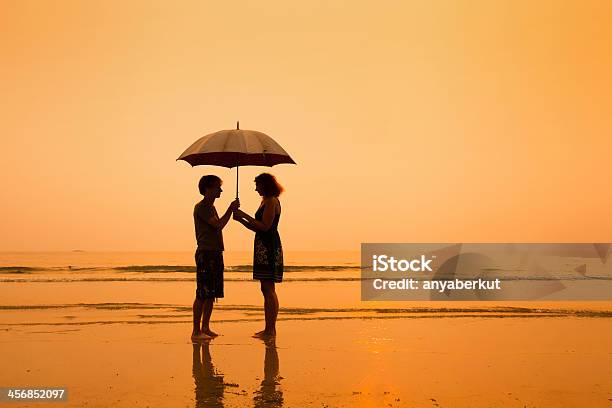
column 208, row 237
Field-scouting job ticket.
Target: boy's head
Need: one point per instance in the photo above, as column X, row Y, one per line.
column 210, row 185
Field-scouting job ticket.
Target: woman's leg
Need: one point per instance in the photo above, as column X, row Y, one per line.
column 270, row 307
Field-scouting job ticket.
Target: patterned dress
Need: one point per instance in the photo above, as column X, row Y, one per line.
column 268, row 251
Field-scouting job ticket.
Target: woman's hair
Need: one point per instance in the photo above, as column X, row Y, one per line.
column 208, row 182
column 270, row 186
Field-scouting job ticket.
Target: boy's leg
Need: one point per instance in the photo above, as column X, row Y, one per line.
column 214, row 269
column 198, row 303
column 198, row 309
column 197, row 315
column 207, row 312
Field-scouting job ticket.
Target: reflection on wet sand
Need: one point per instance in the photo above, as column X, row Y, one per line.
column 268, row 394
column 209, row 385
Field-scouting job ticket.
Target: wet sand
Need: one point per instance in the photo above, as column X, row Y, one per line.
column 538, row 361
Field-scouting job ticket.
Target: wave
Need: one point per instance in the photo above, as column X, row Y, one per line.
column 170, row 313
column 162, row 279
column 294, row 273
column 249, row 279
column 173, row 268
column 17, row 269
column 233, row 268
column 311, row 310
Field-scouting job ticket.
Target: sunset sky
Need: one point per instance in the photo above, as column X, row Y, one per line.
column 410, row 121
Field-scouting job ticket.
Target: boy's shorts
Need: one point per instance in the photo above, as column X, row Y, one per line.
column 209, row 274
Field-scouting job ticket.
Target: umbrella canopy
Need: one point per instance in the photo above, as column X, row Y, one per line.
column 235, row 148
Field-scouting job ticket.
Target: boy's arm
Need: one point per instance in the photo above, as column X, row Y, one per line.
column 220, row 223
column 223, row 220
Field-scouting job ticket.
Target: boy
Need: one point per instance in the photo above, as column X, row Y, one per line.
column 209, row 255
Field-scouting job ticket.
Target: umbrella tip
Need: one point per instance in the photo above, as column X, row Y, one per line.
column 238, row 125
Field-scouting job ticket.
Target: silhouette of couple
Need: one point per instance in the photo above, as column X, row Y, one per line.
column 267, row 252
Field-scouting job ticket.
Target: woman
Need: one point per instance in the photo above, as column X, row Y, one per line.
column 268, row 252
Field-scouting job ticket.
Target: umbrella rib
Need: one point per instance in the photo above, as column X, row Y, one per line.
column 261, row 147
column 238, row 134
column 225, row 141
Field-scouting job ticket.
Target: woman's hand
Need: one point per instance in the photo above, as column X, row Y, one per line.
column 239, row 214
column 243, row 218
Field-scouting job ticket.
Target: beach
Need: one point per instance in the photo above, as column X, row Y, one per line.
column 113, row 329
column 428, row 180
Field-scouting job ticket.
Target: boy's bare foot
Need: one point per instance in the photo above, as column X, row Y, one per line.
column 210, row 333
column 265, row 334
column 195, row 337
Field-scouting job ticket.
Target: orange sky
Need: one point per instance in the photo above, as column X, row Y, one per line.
column 411, row 121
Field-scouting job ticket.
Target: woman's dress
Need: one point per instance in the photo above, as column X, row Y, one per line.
column 268, row 251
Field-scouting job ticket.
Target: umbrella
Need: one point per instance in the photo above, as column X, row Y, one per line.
column 235, row 148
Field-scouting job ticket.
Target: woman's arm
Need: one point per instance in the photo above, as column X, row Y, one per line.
column 268, row 216
column 244, row 222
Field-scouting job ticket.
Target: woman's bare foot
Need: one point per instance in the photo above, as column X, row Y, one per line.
column 265, row 334
column 195, row 337
column 210, row 333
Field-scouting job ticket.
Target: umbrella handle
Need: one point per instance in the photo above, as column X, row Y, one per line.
column 237, row 166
